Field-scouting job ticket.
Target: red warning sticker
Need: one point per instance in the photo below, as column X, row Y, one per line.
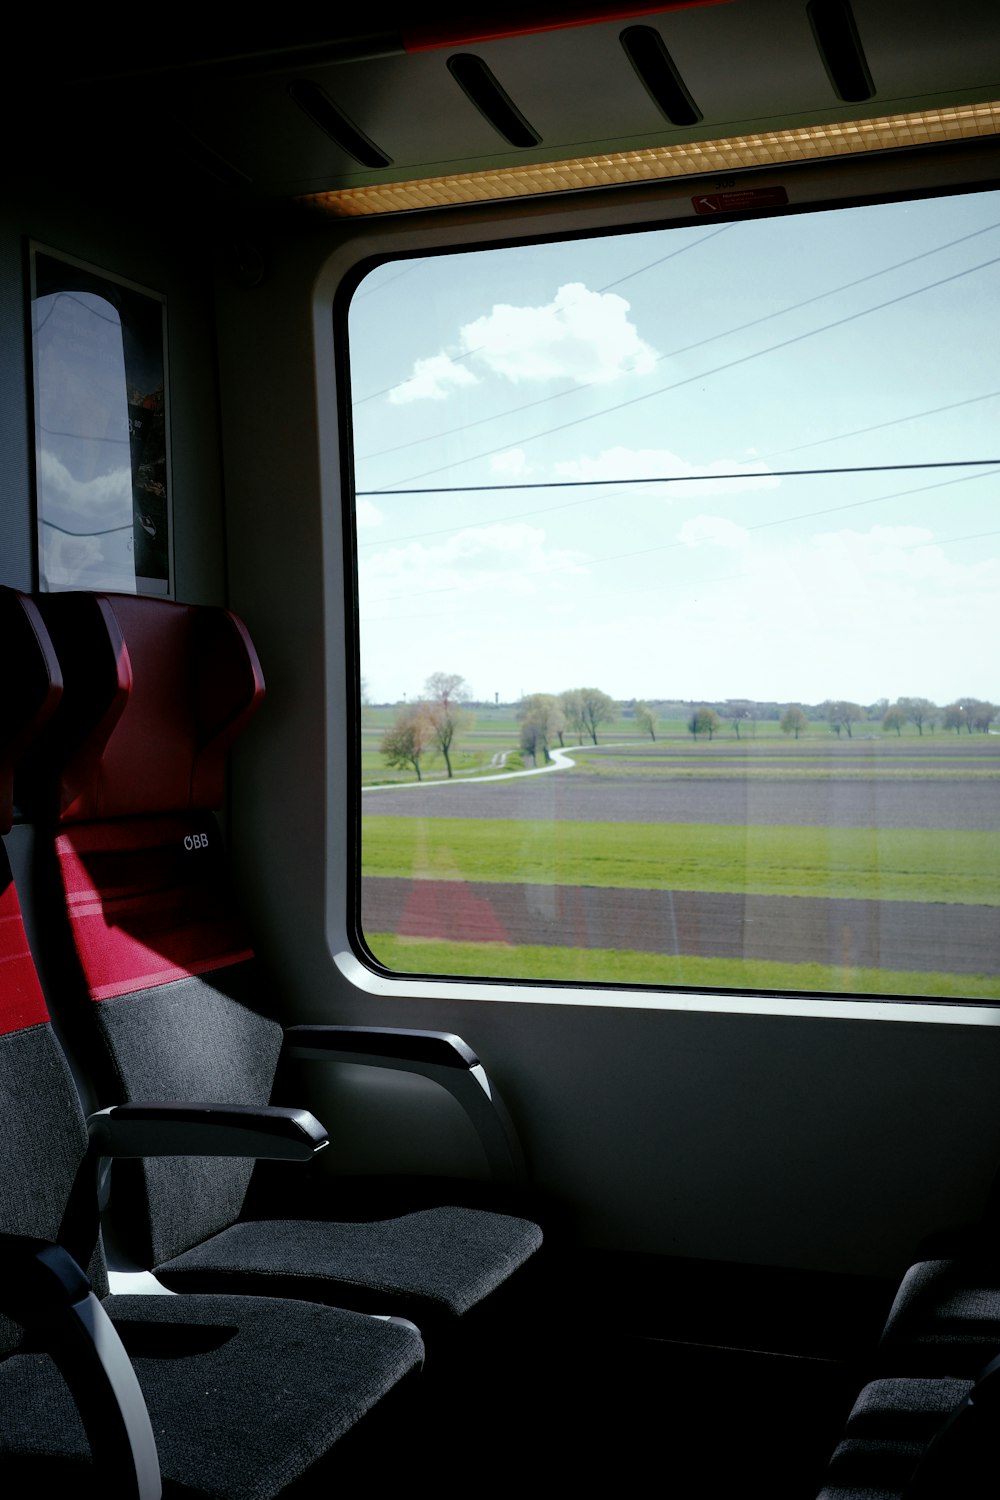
column 737, row 199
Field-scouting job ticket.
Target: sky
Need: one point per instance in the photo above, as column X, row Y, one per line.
column 703, row 359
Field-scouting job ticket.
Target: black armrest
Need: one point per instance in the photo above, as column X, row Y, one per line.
column 43, row 1288
column 438, row 1055
column 152, row 1129
column 440, row 1047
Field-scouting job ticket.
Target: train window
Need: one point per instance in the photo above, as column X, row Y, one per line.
column 677, row 559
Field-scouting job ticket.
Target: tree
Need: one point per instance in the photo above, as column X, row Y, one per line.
column 542, row 718
column 841, row 715
column 985, row 714
column 598, row 709
column 444, row 690
column 646, row 719
column 894, row 718
column 407, row 737
column 979, row 714
column 794, row 721
column 704, row 721
column 571, row 703
column 919, row 711
column 741, row 712
column 970, row 714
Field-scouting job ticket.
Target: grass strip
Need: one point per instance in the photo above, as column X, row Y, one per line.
column 879, row 864
column 609, row 966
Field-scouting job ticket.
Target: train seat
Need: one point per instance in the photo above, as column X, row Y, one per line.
column 924, row 1428
column 945, row 1318
column 158, row 991
column 235, row 1397
column 919, row 1439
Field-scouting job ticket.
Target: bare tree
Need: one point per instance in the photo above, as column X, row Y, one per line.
column 741, row 712
column 841, row 715
column 444, row 692
column 919, row 711
column 969, row 714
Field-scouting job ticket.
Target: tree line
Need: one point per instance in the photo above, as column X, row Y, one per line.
column 436, row 720
column 974, row 715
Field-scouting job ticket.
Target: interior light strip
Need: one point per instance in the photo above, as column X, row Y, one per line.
column 766, row 148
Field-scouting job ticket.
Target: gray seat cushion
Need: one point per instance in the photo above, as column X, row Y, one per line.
column 438, row 1262
column 243, row 1396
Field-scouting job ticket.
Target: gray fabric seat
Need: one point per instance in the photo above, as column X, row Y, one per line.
column 890, row 1428
column 246, row 1396
column 435, row 1264
column 157, row 988
column 945, row 1319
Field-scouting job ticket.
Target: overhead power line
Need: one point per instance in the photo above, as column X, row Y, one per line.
column 730, row 364
column 572, row 484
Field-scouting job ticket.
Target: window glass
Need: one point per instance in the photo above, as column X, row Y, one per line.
column 678, row 559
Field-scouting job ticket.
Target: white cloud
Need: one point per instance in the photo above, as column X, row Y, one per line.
column 580, row 335
column 431, row 380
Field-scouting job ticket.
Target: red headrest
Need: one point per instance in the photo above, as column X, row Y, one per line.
column 31, row 687
column 155, row 693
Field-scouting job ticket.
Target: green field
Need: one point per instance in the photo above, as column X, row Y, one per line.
column 906, row 864
column 940, row 866
column 614, row 967
column 496, row 733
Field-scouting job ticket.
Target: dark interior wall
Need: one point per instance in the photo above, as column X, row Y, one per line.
column 143, row 246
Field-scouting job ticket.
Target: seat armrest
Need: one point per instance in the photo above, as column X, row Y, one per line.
column 266, row 1132
column 438, row 1055
column 43, row 1288
column 441, row 1048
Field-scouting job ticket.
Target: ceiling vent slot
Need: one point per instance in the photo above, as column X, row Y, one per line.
column 477, row 82
column 657, row 71
column 836, row 33
column 320, row 108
